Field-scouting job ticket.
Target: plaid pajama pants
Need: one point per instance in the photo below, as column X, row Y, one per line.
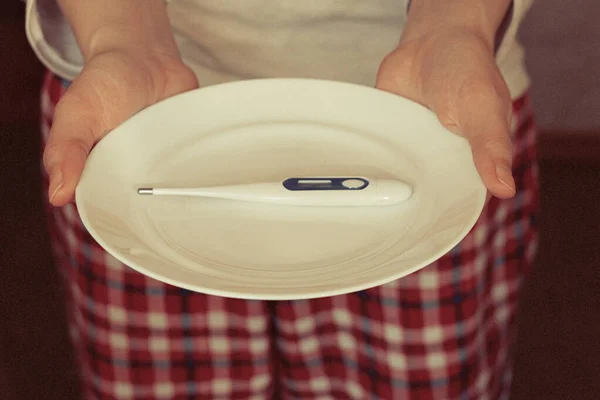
column 444, row 332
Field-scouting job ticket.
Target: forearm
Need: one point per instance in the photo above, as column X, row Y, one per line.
column 481, row 16
column 108, row 24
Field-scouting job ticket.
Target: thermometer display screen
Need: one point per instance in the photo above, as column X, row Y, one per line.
column 325, row 183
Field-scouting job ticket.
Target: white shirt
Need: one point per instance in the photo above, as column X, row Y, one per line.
column 223, row 41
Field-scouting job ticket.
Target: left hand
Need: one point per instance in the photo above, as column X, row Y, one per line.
column 452, row 71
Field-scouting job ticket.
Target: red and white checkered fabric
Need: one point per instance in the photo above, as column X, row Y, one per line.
column 444, row 332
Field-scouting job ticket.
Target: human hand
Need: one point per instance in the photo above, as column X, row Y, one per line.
column 450, row 68
column 114, row 85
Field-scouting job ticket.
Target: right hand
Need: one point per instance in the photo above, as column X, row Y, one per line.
column 113, row 86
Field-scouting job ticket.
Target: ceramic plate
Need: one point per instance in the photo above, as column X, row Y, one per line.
column 269, row 130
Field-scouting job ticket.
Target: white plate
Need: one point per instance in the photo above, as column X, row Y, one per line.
column 267, row 130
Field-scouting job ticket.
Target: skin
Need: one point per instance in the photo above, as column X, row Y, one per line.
column 444, row 60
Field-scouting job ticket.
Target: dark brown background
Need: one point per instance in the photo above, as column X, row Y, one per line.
column 558, row 351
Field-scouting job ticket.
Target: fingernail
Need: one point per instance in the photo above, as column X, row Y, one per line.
column 504, row 175
column 57, row 181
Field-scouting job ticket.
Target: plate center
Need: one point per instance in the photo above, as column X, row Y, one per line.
column 270, row 237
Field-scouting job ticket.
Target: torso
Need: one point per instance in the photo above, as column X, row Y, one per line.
column 328, row 39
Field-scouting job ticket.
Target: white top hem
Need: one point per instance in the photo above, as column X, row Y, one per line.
column 510, row 55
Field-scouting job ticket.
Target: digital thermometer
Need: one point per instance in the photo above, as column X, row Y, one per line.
column 328, row 191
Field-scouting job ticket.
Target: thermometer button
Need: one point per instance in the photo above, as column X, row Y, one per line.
column 354, row 184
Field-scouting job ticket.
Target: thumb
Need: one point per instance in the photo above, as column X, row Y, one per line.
column 394, row 76
column 70, row 140
column 65, row 164
column 481, row 113
column 492, row 155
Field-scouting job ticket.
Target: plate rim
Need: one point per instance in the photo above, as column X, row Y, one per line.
column 255, row 295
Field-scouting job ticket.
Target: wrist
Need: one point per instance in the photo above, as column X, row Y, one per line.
column 129, row 39
column 482, row 18
column 133, row 25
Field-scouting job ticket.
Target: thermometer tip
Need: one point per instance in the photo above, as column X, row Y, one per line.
column 145, row 191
